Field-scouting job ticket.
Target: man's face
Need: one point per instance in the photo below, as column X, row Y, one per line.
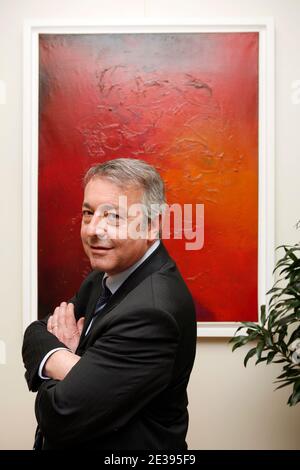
column 107, row 222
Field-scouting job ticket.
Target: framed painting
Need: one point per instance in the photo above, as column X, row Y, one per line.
column 194, row 99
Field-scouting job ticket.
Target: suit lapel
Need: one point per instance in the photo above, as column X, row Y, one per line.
column 91, row 303
column 152, row 264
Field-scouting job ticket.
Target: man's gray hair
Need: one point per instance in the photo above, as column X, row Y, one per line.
column 126, row 172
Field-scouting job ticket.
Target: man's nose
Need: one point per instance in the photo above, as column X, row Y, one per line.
column 97, row 226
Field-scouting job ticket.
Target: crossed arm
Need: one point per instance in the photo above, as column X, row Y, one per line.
column 124, row 368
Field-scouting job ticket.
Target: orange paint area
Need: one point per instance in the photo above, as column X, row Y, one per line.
column 186, row 103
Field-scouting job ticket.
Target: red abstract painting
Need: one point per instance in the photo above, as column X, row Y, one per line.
column 186, row 103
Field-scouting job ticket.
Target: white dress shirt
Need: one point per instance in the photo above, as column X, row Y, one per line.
column 113, row 283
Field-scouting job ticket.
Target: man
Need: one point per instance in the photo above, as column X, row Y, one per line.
column 111, row 367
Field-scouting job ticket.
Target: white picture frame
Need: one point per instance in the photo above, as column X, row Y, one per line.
column 266, row 245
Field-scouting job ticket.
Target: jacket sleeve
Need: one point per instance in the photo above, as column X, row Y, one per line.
column 36, row 344
column 38, row 341
column 124, row 369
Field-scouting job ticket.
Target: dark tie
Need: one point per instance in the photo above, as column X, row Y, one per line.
column 103, row 299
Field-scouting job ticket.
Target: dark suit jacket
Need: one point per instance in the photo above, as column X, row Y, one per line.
column 128, row 391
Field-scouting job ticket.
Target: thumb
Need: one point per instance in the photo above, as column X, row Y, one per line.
column 80, row 324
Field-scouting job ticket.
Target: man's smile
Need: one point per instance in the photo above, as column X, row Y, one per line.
column 100, row 248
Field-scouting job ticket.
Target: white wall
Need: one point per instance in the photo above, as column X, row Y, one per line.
column 230, row 407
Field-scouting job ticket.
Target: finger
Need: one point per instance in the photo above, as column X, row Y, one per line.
column 80, row 324
column 55, row 317
column 70, row 317
column 61, row 318
column 49, row 324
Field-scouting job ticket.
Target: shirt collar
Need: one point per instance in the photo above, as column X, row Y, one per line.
column 116, row 280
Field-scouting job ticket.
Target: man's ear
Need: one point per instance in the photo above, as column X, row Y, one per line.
column 154, row 228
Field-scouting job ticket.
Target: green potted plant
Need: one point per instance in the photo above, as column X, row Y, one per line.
column 277, row 336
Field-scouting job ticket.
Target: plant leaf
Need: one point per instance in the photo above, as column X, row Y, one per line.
column 249, row 354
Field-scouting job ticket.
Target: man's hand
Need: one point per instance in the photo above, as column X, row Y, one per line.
column 63, row 325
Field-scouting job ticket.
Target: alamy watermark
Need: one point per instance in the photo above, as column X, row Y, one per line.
column 2, row 352
column 295, row 351
column 175, row 221
column 295, row 96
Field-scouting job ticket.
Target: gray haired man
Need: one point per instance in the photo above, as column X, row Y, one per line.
column 111, row 365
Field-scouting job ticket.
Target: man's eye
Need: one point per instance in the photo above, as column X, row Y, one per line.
column 112, row 217
column 87, row 213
